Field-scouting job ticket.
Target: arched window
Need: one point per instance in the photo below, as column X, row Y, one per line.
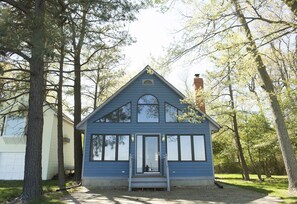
column 148, row 109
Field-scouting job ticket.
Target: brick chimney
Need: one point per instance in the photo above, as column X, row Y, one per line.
column 198, row 86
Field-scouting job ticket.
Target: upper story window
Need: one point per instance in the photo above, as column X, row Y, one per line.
column 172, row 114
column 14, row 125
column 120, row 115
column 148, row 109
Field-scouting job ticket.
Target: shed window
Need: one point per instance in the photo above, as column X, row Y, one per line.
column 110, row 147
column 148, row 109
column 14, row 125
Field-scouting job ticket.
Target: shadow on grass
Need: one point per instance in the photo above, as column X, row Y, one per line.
column 51, row 197
column 247, row 187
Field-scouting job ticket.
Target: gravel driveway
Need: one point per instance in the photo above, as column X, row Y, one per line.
column 229, row 194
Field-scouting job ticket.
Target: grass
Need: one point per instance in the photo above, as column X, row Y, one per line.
column 10, row 190
column 276, row 186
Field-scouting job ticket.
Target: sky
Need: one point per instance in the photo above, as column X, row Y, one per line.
column 154, row 31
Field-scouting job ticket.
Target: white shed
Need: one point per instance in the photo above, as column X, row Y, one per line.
column 13, row 145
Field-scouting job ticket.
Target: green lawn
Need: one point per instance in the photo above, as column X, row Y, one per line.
column 275, row 186
column 12, row 189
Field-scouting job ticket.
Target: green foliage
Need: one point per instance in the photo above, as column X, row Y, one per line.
column 192, row 113
column 10, row 190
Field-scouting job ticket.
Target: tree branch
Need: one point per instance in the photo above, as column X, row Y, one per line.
column 17, row 52
column 16, row 5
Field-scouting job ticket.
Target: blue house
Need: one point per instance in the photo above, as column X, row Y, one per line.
column 135, row 139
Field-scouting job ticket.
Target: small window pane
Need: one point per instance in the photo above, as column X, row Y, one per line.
column 123, row 148
column 112, row 117
column 110, row 147
column 148, row 99
column 125, row 113
column 199, row 148
column 170, row 113
column 14, row 126
column 148, row 113
column 172, row 148
column 101, row 120
column 139, row 157
column 185, row 148
column 97, row 143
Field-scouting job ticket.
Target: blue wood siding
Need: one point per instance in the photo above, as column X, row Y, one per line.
column 131, row 94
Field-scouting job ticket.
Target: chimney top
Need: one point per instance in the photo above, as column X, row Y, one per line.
column 198, row 85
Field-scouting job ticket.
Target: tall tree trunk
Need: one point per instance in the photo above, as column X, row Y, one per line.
column 236, row 132
column 77, row 93
column 77, row 118
column 255, row 167
column 282, row 132
column 61, row 170
column 32, row 187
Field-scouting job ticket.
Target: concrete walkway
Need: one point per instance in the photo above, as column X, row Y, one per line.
column 229, row 194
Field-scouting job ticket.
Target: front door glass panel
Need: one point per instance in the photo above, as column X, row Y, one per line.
column 151, row 162
column 147, row 149
column 139, row 151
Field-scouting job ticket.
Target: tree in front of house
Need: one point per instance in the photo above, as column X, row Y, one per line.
column 93, row 27
column 29, row 43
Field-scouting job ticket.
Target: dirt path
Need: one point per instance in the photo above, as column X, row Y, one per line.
column 228, row 194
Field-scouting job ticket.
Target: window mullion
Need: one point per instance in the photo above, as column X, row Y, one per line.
column 103, row 147
column 117, row 147
column 178, row 146
column 192, row 145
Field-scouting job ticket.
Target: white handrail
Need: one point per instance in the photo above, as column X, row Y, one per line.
column 166, row 169
column 130, row 173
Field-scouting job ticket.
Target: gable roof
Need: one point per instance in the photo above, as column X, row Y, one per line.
column 82, row 124
column 10, row 108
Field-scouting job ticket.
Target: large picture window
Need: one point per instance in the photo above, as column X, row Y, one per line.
column 199, row 146
column 172, row 147
column 186, row 147
column 148, row 109
column 110, row 147
column 120, row 115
